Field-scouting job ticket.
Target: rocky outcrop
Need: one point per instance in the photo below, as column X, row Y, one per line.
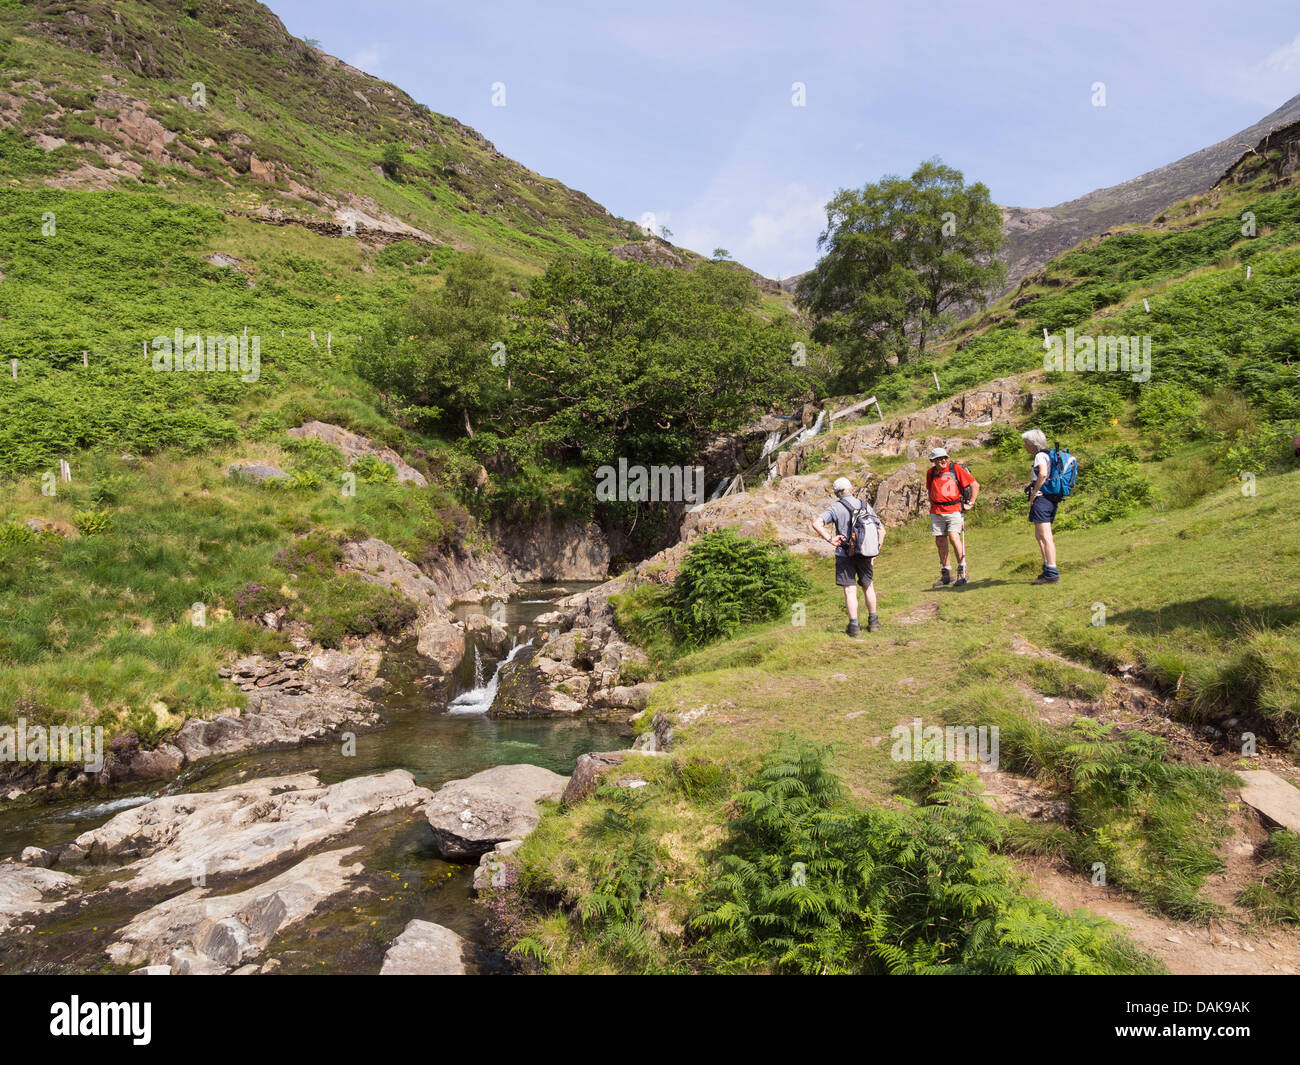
column 292, row 699
column 491, row 634
column 550, row 550
column 999, row 401
column 491, row 869
column 241, row 828
column 580, row 664
column 587, row 773
column 426, row 949
column 201, row 932
column 470, row 817
column 443, row 643
column 355, row 446
column 448, row 578
column 901, row 496
column 27, row 890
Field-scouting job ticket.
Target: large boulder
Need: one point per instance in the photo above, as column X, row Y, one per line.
column 470, row 817
column 257, row 471
column 587, row 773
column 426, row 949
column 443, row 643
column 901, row 496
column 380, row 563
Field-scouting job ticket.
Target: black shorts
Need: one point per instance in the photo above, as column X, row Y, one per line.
column 851, row 568
column 1043, row 511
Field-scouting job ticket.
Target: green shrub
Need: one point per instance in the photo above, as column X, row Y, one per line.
column 1168, row 412
column 727, row 581
column 1078, row 407
column 806, row 885
column 1112, row 487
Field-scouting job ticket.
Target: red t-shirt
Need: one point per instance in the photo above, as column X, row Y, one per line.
column 944, row 487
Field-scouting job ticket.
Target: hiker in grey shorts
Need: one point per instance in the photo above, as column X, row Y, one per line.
column 851, row 570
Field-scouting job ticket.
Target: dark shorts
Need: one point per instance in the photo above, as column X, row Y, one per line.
column 850, row 568
column 1044, row 510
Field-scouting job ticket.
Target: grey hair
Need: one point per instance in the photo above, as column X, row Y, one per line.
column 1035, row 437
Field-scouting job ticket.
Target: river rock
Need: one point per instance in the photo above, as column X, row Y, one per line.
column 200, row 932
column 587, row 773
column 354, row 446
column 30, row 889
column 426, row 949
column 490, row 871
column 471, row 816
column 36, row 856
column 243, row 827
column 493, row 634
column 443, row 643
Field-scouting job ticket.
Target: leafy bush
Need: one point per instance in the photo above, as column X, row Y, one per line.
column 727, row 581
column 1077, row 407
column 1005, row 441
column 808, row 886
column 1266, row 448
column 1168, row 412
column 1112, row 487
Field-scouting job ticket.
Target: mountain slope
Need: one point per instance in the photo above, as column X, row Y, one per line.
column 219, row 103
column 1033, row 235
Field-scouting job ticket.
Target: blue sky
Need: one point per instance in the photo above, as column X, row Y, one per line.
column 685, row 109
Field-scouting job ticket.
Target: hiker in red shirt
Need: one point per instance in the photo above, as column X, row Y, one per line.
column 952, row 491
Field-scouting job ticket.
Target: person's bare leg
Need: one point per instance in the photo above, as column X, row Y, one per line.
column 869, row 594
column 1048, row 544
column 851, row 601
column 957, row 547
column 942, row 541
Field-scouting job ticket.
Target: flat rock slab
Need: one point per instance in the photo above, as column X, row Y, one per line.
column 244, row 827
column 198, row 933
column 426, row 949
column 257, row 471
column 470, row 817
column 29, row 889
column 1275, row 798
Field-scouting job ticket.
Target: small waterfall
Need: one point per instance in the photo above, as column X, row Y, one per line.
column 479, row 701
column 773, row 438
column 813, row 429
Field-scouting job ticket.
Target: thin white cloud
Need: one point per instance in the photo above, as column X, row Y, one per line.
column 1273, row 80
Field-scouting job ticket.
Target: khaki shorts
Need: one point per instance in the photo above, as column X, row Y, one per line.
column 943, row 524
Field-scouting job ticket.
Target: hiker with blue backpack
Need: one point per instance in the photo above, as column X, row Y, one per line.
column 1055, row 472
column 858, row 536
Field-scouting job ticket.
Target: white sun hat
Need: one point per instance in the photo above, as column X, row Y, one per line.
column 938, row 453
column 841, row 484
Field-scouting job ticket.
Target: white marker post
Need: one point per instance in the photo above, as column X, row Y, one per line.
column 85, row 358
column 936, row 380
column 13, row 368
column 1146, row 306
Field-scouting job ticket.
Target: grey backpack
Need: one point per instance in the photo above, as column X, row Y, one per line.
column 863, row 538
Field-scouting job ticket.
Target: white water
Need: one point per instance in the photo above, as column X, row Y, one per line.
column 813, row 429
column 101, row 808
column 479, row 701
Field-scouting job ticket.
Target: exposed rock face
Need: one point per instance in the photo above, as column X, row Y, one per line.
column 652, row 251
column 453, row 578
column 550, row 550
column 471, row 816
column 257, row 471
column 492, row 634
column 587, row 773
column 203, row 933
column 241, row 828
column 26, row 890
column 354, row 446
column 999, row 401
column 901, row 496
column 426, row 949
column 580, row 663
column 291, row 700
column 443, row 643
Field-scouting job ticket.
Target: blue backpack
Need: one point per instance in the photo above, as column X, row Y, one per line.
column 1062, row 473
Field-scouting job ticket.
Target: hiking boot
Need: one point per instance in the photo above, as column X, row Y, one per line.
column 945, row 576
column 1044, row 578
column 961, row 575
column 873, row 625
column 853, row 630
